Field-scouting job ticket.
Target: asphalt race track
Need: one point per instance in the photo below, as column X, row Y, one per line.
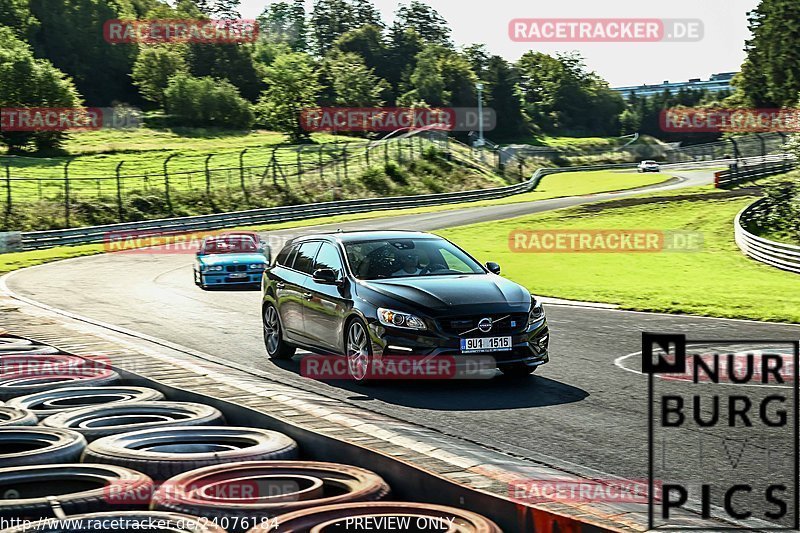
column 581, row 409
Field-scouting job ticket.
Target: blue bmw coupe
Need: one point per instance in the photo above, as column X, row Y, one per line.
column 231, row 259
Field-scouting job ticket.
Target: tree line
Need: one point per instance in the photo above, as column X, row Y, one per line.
column 341, row 53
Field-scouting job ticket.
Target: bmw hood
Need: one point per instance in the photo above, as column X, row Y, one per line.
column 454, row 294
column 232, row 259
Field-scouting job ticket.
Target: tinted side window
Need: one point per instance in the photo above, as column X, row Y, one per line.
column 304, row 262
column 328, row 257
column 284, row 255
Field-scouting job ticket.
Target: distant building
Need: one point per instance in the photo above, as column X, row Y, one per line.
column 716, row 83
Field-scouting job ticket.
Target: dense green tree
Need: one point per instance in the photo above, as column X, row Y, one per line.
column 153, row 68
column 404, row 45
column 206, row 102
column 354, row 84
column 29, row 82
column 221, row 9
column 70, row 35
column 502, row 95
column 16, row 14
column 426, row 21
column 442, row 77
column 771, row 73
column 292, row 87
column 284, row 22
column 329, row 20
column 233, row 62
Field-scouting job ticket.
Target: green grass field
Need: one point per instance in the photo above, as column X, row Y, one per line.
column 572, row 183
column 717, row 281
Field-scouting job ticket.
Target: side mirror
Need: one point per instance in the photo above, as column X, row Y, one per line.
column 325, row 276
column 494, row 268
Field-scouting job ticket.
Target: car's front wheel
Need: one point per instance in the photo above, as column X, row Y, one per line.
column 277, row 348
column 358, row 350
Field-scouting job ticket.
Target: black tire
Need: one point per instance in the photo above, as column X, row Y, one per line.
column 518, row 371
column 17, row 346
column 13, row 385
column 195, row 492
column 56, row 401
column 164, row 453
column 104, row 420
column 22, row 446
column 128, row 521
column 12, row 416
column 358, row 351
column 31, row 492
column 277, row 348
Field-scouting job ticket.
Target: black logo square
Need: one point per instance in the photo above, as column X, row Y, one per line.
column 674, row 345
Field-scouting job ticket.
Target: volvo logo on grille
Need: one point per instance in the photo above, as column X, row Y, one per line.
column 485, row 325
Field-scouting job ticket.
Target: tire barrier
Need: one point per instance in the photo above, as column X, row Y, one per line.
column 56, row 401
column 36, row 445
column 17, row 346
column 371, row 516
column 252, row 491
column 11, row 416
column 166, row 452
column 51, row 491
column 24, row 383
column 104, row 420
column 124, row 521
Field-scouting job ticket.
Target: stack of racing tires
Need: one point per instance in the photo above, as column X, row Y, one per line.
column 80, row 449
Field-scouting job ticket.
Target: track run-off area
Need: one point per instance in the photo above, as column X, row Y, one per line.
column 581, row 412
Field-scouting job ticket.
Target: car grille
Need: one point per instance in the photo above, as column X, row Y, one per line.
column 236, row 268
column 511, row 323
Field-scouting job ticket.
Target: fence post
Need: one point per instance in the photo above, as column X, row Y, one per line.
column 299, row 164
column 366, row 152
column 166, row 183
column 8, row 190
column 274, row 164
column 119, row 191
column 66, row 192
column 208, row 175
column 241, row 175
column 344, row 160
column 385, row 152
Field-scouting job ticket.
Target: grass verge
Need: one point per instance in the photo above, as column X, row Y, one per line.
column 717, row 281
column 554, row 186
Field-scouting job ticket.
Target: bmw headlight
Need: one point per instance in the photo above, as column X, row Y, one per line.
column 537, row 311
column 397, row 319
column 213, row 268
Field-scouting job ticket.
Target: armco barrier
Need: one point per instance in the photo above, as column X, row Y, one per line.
column 96, row 234
column 777, row 254
column 753, row 168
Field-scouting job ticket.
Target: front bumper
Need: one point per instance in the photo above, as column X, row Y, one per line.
column 529, row 346
column 225, row 278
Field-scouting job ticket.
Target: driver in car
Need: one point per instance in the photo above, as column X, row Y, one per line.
column 409, row 262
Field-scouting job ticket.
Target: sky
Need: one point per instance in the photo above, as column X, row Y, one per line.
column 621, row 64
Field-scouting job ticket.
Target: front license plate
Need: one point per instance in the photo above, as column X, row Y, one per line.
column 238, row 275
column 486, row 344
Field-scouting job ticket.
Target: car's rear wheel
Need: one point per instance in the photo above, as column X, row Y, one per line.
column 518, row 371
column 277, row 348
column 358, row 350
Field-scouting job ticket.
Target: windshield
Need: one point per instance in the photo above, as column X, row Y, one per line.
column 400, row 258
column 233, row 244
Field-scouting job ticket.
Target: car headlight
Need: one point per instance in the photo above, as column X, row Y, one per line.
column 537, row 311
column 257, row 267
column 397, row 319
column 215, row 268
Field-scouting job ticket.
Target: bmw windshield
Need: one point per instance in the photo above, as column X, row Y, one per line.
column 402, row 258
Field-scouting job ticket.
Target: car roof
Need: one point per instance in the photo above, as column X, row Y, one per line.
column 366, row 235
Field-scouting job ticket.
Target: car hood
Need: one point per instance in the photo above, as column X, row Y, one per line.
column 454, row 294
column 230, row 259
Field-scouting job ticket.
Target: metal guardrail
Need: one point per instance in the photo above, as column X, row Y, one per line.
column 753, row 168
column 98, row 234
column 777, row 254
